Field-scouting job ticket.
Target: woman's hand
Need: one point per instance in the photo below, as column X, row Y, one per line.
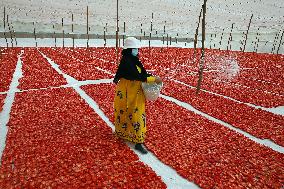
column 158, row 80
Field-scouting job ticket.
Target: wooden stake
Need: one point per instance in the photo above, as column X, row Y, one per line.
column 11, row 36
column 257, row 45
column 124, row 27
column 119, row 42
column 89, row 37
column 167, row 40
column 176, row 38
column 72, row 23
column 104, row 37
column 123, row 38
column 73, row 41
column 62, row 24
column 150, row 45
column 256, row 40
column 88, row 26
column 247, row 33
column 211, row 35
column 9, row 28
column 14, row 35
column 4, row 17
column 230, row 36
column 54, row 35
column 220, row 43
column 116, row 45
column 280, row 42
column 6, row 39
column 203, row 49
column 35, row 33
column 196, row 36
column 274, row 42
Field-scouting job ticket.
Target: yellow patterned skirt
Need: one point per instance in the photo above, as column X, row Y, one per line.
column 129, row 111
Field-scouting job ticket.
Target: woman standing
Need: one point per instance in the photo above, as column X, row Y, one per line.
column 129, row 101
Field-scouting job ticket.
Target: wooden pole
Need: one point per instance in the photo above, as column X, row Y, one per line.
column 88, row 26
column 124, row 27
column 14, row 35
column 123, row 37
column 6, row 39
column 4, row 17
column 62, row 24
column 203, row 50
column 12, row 43
column 247, row 33
column 116, row 45
column 220, row 43
column 119, row 43
column 89, row 36
column 275, row 41
column 104, row 37
column 256, row 40
column 150, row 45
column 196, row 35
column 73, row 41
column 176, row 38
column 35, row 33
column 215, row 36
column 211, row 38
column 167, row 40
column 230, row 37
column 242, row 42
column 280, row 42
column 54, row 35
column 257, row 45
column 11, row 36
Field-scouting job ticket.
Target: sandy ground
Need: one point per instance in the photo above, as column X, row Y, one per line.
column 252, row 45
column 179, row 17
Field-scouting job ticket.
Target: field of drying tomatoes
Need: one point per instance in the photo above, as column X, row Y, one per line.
column 56, row 140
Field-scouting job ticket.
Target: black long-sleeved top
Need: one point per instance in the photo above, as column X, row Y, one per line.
column 127, row 69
